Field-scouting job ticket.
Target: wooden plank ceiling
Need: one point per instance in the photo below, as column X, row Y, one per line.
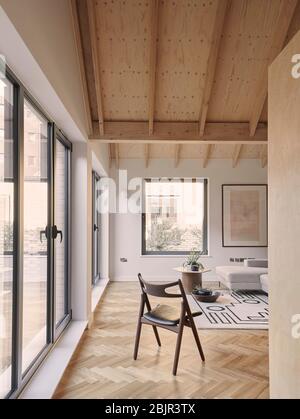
column 182, row 78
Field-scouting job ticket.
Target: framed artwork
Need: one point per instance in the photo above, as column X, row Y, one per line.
column 245, row 215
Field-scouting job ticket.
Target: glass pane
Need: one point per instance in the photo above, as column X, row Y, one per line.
column 96, row 229
column 35, row 241
column 6, row 233
column 61, row 196
column 174, row 215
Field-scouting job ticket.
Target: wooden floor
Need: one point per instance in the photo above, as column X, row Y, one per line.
column 236, row 361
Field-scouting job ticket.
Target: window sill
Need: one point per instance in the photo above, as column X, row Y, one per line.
column 45, row 381
column 43, row 384
column 97, row 292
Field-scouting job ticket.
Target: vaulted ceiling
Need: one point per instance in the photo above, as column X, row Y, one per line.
column 186, row 78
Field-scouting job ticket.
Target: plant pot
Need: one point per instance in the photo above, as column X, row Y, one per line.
column 194, row 268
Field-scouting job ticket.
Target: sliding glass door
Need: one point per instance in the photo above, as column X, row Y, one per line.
column 7, row 219
column 96, row 230
column 61, row 229
column 36, row 234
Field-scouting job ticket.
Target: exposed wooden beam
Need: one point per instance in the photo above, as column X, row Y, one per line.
column 82, row 70
column 117, row 156
column 147, row 155
column 152, row 64
column 177, row 154
column 212, row 61
column 264, row 156
column 236, row 155
column 180, row 133
column 207, row 155
column 96, row 64
column 286, row 14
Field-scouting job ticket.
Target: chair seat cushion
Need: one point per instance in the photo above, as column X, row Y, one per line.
column 163, row 315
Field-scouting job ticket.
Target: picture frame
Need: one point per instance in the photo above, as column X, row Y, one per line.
column 244, row 215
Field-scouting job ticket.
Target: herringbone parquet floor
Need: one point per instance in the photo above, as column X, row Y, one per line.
column 102, row 367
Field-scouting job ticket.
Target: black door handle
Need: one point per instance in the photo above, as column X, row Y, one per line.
column 56, row 232
column 96, row 228
column 43, row 232
column 59, row 232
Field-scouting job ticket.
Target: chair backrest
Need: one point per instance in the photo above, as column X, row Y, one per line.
column 159, row 290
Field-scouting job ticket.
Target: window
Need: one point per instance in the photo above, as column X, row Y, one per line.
column 7, row 218
column 96, row 230
column 34, row 235
column 62, row 225
column 31, row 160
column 36, row 245
column 174, row 219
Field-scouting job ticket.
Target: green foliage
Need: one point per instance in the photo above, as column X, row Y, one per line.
column 193, row 258
column 197, row 233
column 8, row 237
column 163, row 235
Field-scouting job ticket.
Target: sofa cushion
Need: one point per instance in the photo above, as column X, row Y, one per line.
column 264, row 279
column 241, row 274
column 256, row 263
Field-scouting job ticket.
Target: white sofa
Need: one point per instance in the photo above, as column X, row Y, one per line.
column 264, row 279
column 253, row 275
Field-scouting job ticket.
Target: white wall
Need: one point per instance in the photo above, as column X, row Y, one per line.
column 81, row 234
column 46, row 28
column 101, row 153
column 19, row 57
column 126, row 228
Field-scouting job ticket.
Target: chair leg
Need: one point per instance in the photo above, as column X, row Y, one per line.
column 157, row 335
column 137, row 340
column 177, row 351
column 139, row 327
column 178, row 343
column 196, row 336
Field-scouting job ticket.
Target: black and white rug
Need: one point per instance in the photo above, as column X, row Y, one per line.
column 233, row 310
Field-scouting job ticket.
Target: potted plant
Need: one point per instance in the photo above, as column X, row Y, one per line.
column 193, row 261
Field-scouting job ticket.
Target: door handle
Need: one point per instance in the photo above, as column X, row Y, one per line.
column 60, row 233
column 56, row 232
column 96, row 228
column 43, row 232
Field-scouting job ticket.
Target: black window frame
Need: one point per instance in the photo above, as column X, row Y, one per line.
column 95, row 222
column 60, row 326
column 19, row 379
column 144, row 251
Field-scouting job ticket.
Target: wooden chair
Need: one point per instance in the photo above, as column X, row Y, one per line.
column 166, row 316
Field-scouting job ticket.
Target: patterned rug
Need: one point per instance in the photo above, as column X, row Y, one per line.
column 233, row 310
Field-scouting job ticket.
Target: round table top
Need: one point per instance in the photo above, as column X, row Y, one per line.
column 188, row 271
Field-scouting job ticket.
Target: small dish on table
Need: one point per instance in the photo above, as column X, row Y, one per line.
column 205, row 295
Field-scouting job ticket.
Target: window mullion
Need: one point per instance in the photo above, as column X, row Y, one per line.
column 18, row 236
